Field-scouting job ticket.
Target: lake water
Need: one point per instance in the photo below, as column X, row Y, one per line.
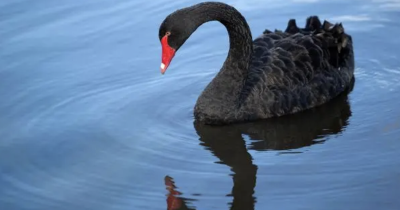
column 88, row 122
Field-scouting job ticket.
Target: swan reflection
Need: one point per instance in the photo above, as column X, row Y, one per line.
column 284, row 133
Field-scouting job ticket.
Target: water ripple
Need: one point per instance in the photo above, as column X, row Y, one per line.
column 88, row 122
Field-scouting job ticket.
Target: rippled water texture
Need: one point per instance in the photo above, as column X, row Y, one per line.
column 88, row 122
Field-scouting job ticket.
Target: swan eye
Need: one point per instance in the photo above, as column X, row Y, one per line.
column 167, row 33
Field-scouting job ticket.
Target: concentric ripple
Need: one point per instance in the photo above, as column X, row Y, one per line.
column 88, row 122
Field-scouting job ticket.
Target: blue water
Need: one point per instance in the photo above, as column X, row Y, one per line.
column 88, row 122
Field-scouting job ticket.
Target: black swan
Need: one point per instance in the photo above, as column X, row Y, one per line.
column 278, row 73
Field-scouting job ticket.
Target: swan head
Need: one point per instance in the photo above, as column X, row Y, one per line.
column 174, row 31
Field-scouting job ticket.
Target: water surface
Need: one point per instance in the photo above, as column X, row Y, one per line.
column 88, row 122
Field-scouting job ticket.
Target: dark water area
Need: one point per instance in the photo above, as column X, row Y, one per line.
column 88, row 122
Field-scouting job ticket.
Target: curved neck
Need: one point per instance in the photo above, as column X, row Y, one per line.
column 224, row 90
column 240, row 39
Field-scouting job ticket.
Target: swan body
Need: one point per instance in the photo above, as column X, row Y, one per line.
column 278, row 73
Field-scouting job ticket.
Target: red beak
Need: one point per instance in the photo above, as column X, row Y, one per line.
column 167, row 54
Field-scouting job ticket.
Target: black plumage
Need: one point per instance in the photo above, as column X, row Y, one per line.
column 278, row 73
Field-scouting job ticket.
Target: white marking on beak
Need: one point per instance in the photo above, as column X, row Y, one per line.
column 162, row 66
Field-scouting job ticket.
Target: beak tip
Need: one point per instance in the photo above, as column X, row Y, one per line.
column 163, row 68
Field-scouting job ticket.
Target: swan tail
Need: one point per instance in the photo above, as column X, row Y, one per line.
column 335, row 42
